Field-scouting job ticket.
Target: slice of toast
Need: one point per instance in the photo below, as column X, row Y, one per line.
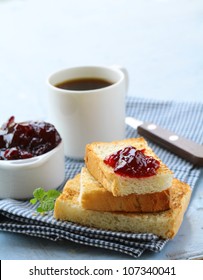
column 94, row 196
column 164, row 224
column 123, row 185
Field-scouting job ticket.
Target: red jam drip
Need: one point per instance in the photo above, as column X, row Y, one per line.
column 27, row 139
column 132, row 163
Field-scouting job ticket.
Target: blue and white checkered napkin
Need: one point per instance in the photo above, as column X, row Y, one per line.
column 183, row 118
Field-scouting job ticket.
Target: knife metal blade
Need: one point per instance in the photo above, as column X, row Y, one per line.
column 177, row 144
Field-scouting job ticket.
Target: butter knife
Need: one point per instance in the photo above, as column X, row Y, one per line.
column 177, row 144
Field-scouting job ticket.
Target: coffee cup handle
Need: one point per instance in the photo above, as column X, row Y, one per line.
column 125, row 72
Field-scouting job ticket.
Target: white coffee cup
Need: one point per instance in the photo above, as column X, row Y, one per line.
column 85, row 116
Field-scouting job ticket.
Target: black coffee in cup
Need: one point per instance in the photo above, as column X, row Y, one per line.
column 84, row 84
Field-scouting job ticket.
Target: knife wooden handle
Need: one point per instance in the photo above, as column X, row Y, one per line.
column 183, row 147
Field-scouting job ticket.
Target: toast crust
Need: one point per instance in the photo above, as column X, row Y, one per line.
column 164, row 224
column 94, row 196
column 120, row 185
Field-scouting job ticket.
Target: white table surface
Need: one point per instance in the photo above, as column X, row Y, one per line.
column 160, row 43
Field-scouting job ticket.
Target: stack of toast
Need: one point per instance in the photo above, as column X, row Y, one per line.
column 102, row 198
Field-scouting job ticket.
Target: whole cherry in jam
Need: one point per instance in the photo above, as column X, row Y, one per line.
column 132, row 163
column 27, row 139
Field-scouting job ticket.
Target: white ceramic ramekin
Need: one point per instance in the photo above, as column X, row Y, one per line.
column 19, row 178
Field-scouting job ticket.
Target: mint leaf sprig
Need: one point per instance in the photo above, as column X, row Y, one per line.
column 46, row 199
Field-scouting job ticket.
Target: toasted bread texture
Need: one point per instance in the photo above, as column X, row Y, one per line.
column 95, row 197
column 122, row 185
column 164, row 224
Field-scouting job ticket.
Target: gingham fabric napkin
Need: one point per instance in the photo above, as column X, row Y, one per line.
column 183, row 118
